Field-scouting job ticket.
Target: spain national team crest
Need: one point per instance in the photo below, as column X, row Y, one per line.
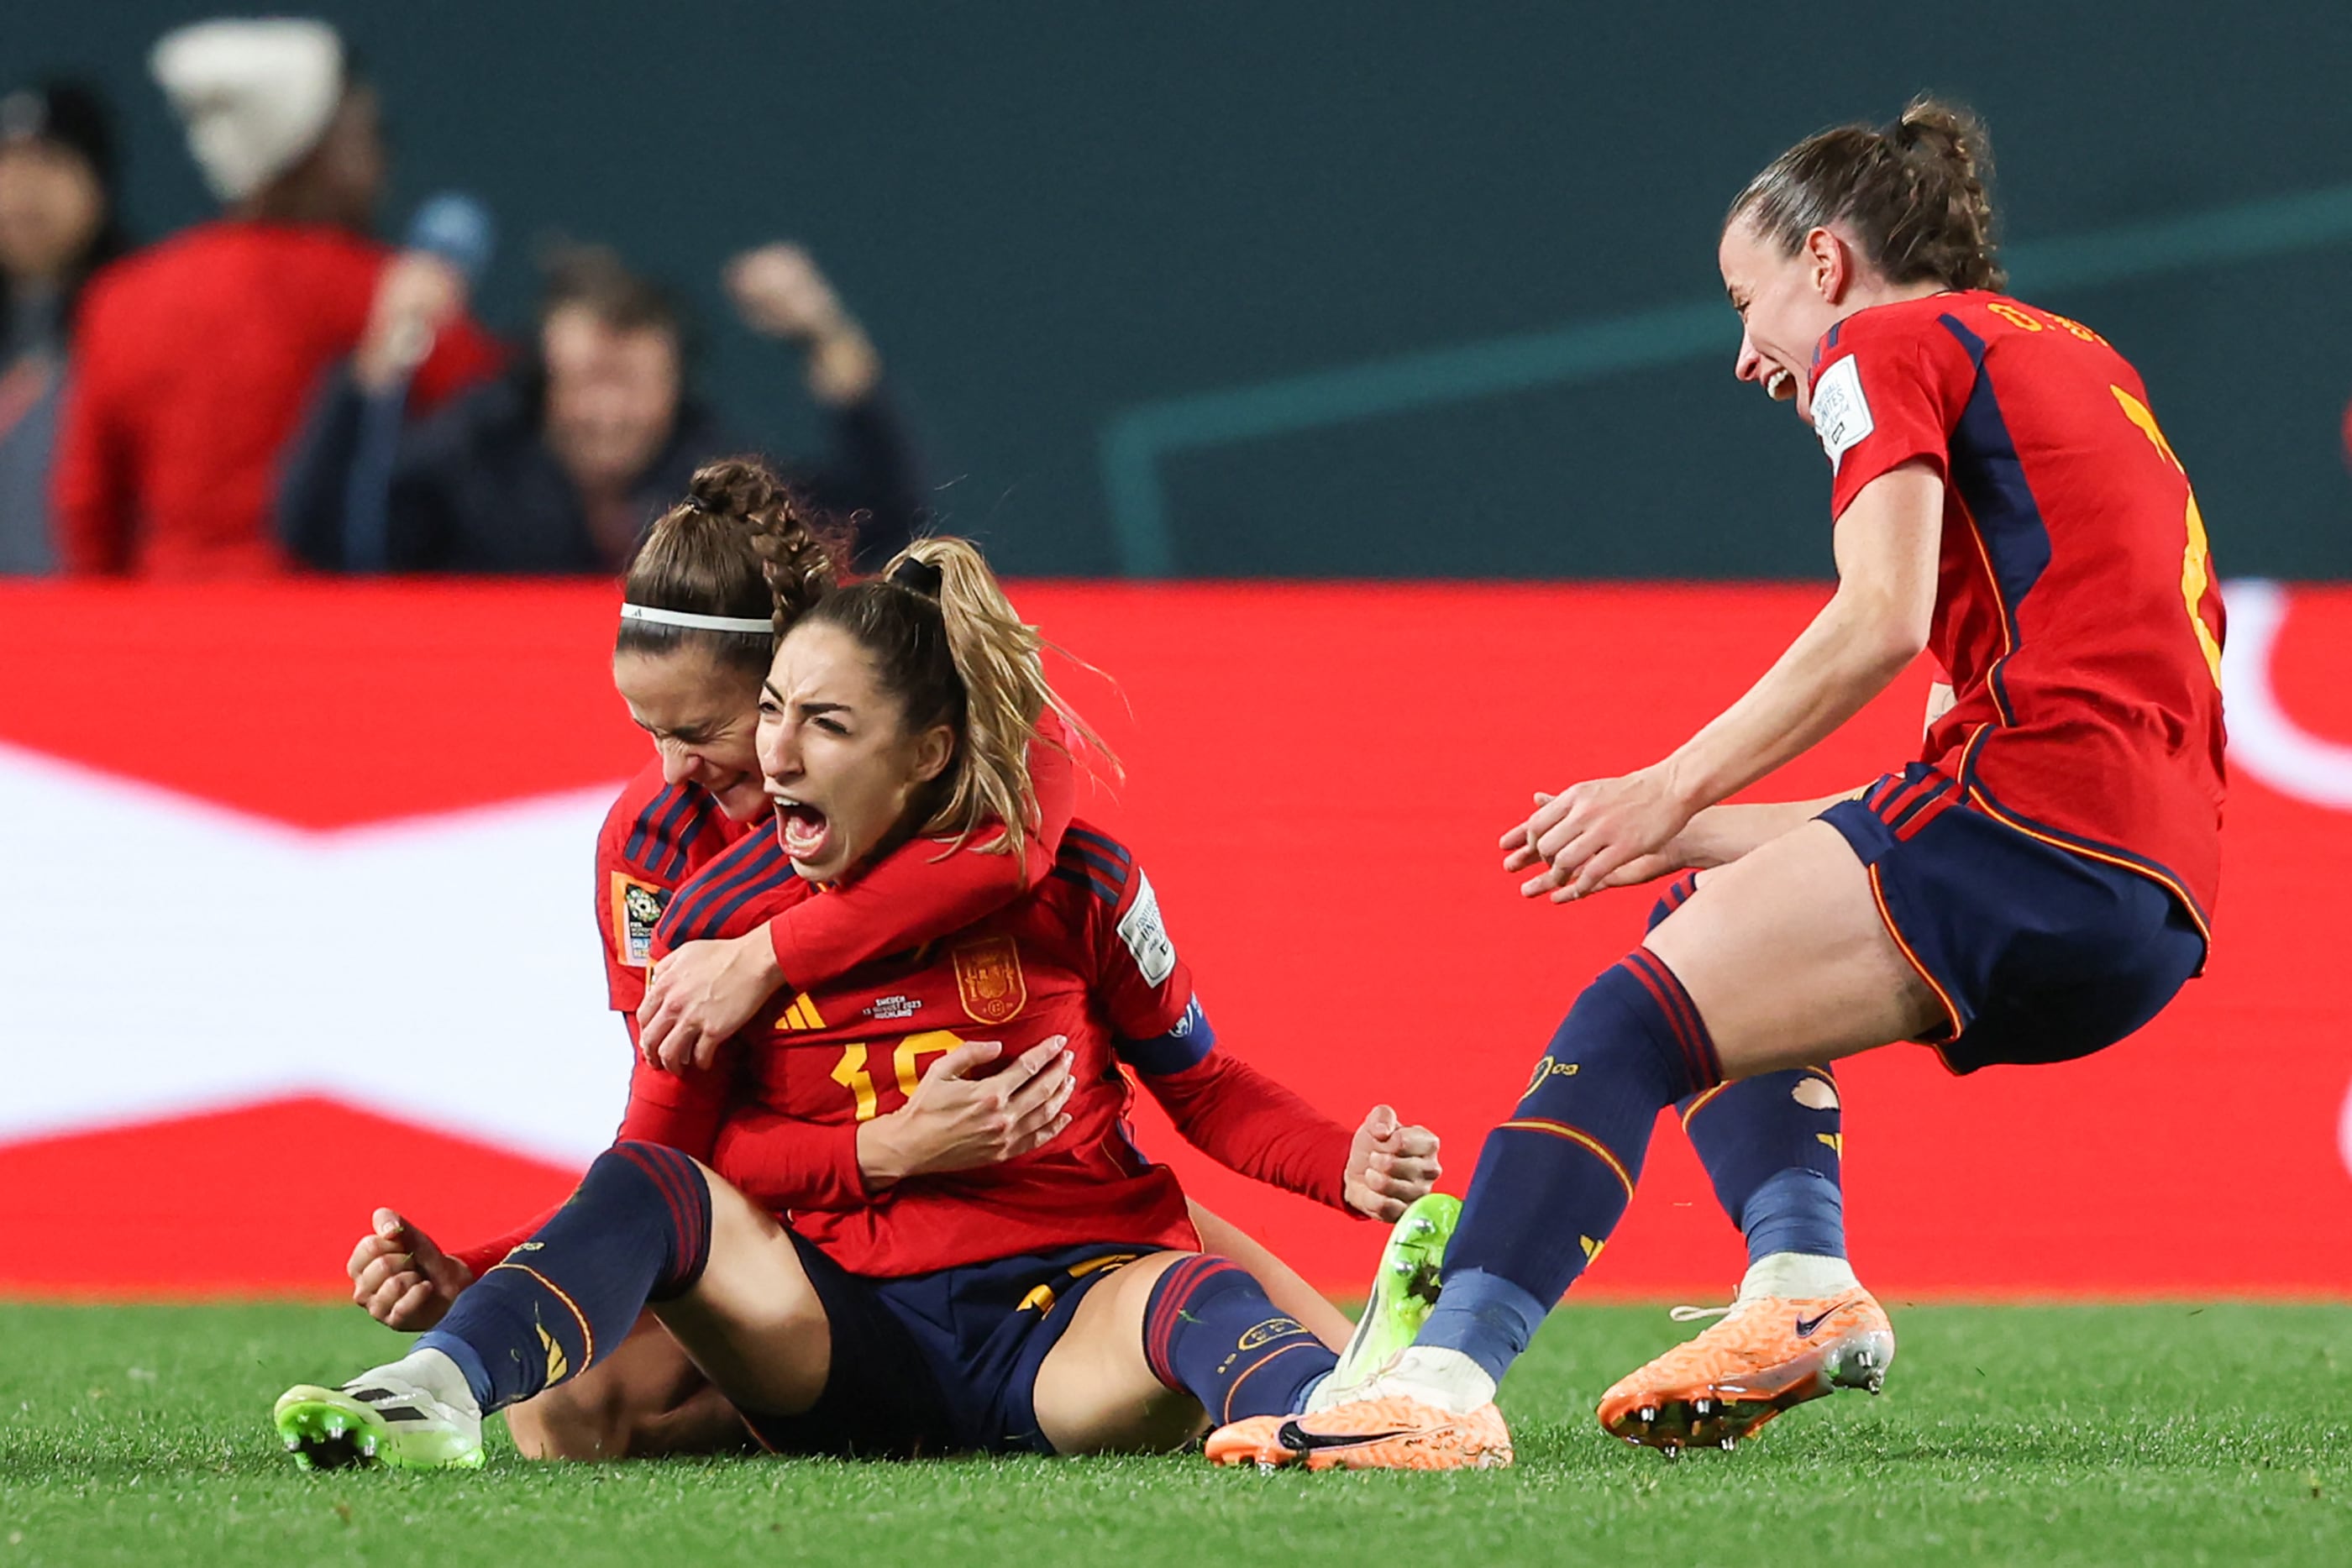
column 988, row 978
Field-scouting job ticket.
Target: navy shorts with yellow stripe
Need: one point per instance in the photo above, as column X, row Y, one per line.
column 2037, row 954
column 942, row 1363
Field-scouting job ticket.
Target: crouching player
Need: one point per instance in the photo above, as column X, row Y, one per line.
column 1055, row 1301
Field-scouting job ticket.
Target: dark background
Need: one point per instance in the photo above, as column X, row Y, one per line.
column 1054, row 216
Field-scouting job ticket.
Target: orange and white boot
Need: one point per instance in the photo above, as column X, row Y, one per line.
column 1772, row 1350
column 1425, row 1412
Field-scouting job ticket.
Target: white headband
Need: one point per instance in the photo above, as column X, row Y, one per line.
column 646, row 612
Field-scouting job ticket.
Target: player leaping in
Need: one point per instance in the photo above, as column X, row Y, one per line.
column 2034, row 889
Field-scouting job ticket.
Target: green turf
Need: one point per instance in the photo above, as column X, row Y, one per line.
column 2138, row 1433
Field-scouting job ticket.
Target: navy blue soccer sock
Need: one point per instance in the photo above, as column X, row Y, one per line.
column 1210, row 1330
column 1771, row 1145
column 637, row 1231
column 1553, row 1181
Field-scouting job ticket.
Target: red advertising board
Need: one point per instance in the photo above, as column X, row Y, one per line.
column 300, row 880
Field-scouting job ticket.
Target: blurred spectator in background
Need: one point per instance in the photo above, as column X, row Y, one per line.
column 194, row 360
column 57, row 225
column 559, row 467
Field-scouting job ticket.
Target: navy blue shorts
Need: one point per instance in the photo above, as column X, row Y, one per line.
column 2037, row 953
column 938, row 1364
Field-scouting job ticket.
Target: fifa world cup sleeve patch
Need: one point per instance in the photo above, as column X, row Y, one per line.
column 1841, row 413
column 636, row 909
column 1146, row 936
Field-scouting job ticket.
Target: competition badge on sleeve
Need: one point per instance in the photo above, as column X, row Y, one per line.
column 1146, row 935
column 1841, row 413
column 636, row 909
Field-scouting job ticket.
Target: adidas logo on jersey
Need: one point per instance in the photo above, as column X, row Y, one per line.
column 799, row 1018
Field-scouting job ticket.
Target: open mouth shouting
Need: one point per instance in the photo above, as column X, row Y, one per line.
column 1780, row 386
column 802, row 828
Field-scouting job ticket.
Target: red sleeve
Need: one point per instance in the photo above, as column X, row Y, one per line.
column 916, row 893
column 484, row 1256
column 1887, row 392
column 87, row 499
column 782, row 1164
column 627, row 907
column 682, row 1109
column 1223, row 1106
column 1248, row 1122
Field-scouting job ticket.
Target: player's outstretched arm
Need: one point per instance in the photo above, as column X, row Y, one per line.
column 705, row 991
column 1869, row 632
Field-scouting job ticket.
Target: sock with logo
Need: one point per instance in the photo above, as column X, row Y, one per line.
column 1553, row 1181
column 1771, row 1145
column 1209, row 1331
column 637, row 1231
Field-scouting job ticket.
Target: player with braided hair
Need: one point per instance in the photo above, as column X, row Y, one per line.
column 1057, row 1300
column 715, row 583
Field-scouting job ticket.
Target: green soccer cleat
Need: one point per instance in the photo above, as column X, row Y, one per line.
column 1403, row 1292
column 377, row 1418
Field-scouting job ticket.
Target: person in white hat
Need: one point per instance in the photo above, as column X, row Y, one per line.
column 196, row 358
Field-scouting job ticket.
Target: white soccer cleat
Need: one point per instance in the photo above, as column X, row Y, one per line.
column 380, row 1417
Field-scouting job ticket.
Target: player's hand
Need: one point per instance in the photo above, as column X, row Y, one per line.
column 954, row 1121
column 1390, row 1164
column 401, row 1277
column 1676, row 856
column 1605, row 832
column 701, row 994
column 416, row 294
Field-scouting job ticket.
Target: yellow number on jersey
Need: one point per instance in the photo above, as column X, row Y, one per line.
column 2197, row 561
column 906, row 1063
column 851, row 1075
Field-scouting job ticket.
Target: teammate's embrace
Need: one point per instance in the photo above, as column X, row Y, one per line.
column 2034, row 889
column 1055, row 1300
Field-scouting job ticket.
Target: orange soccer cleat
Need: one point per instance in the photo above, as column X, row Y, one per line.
column 1769, row 1353
column 1390, row 1433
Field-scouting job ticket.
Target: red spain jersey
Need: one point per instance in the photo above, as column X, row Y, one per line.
column 654, row 837
column 1085, row 956
column 657, row 835
column 2076, row 613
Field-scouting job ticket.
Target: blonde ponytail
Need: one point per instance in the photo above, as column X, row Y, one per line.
column 947, row 642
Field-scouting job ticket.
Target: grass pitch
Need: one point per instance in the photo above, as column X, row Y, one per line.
column 2063, row 1435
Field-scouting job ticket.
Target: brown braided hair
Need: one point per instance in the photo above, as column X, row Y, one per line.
column 742, row 545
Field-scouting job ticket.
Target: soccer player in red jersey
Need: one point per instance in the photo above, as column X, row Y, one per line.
column 1056, row 1301
column 696, row 639
column 2035, row 888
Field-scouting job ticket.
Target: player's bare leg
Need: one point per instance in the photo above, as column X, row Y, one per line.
column 1095, row 1391
column 752, row 1322
column 1789, row 963
column 1162, row 1348
column 648, row 1400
